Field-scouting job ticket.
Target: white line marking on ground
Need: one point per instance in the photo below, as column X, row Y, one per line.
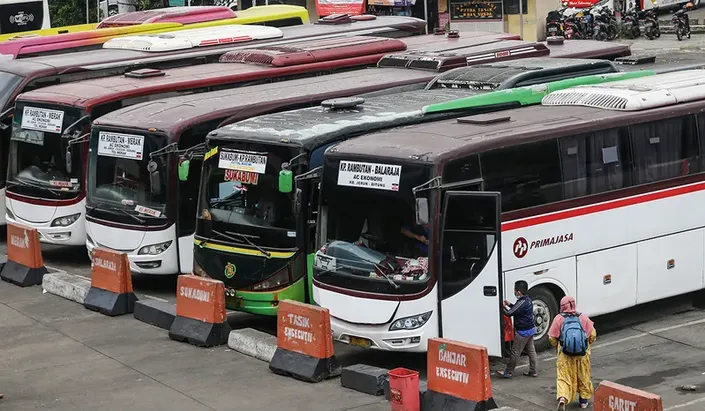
column 85, row 278
column 632, row 337
column 48, row 267
column 155, row 298
column 685, row 404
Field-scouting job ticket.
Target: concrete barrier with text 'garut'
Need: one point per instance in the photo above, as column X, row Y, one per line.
column 24, row 266
column 610, row 396
column 111, row 284
column 200, row 312
column 458, row 377
column 304, row 343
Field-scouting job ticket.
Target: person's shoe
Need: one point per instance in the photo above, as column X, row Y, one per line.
column 583, row 403
column 561, row 404
column 530, row 374
column 504, row 374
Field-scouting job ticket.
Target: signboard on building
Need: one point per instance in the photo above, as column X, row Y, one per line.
column 475, row 10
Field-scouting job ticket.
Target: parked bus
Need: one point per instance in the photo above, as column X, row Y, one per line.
column 588, row 158
column 93, row 39
column 271, row 250
column 274, row 16
column 188, row 47
column 177, row 124
column 58, row 119
column 23, row 15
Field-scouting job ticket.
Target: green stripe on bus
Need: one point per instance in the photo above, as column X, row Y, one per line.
column 530, row 94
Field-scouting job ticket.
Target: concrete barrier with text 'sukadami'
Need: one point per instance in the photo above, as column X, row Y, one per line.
column 200, row 312
column 458, row 377
column 304, row 343
column 25, row 265
column 111, row 290
column 611, row 396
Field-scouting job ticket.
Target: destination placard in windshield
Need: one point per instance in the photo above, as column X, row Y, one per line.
column 42, row 119
column 369, row 175
column 243, row 161
column 118, row 145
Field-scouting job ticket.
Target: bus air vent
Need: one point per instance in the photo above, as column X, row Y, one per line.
column 342, row 103
column 483, row 119
column 642, row 93
column 145, row 73
column 335, row 19
column 315, row 51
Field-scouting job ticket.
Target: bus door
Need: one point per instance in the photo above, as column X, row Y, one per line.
column 470, row 269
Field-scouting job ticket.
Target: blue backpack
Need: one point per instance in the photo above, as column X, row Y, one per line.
column 573, row 338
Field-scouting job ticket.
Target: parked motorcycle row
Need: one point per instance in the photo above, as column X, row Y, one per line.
column 599, row 23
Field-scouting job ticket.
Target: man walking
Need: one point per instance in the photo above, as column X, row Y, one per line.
column 524, row 330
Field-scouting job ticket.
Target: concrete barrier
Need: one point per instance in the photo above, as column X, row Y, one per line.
column 65, row 285
column 111, row 284
column 24, row 266
column 200, row 312
column 157, row 313
column 253, row 343
column 610, row 396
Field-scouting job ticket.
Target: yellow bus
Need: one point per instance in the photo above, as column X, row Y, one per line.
column 163, row 20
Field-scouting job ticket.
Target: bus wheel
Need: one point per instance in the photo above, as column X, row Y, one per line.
column 545, row 308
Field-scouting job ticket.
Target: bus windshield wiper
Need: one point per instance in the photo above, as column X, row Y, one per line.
column 109, row 207
column 35, row 185
column 395, row 285
column 232, row 238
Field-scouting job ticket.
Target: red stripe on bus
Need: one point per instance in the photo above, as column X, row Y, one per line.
column 596, row 208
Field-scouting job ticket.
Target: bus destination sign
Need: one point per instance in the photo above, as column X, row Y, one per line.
column 118, row 145
column 369, row 175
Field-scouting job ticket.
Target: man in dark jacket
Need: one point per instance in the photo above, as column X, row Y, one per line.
column 524, row 329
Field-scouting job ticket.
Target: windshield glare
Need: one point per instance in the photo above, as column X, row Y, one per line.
column 120, row 177
column 370, row 235
column 241, row 187
column 8, row 82
column 38, row 159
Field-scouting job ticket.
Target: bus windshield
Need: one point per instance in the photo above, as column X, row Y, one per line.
column 240, row 192
column 369, row 238
column 8, row 83
column 123, row 178
column 38, row 161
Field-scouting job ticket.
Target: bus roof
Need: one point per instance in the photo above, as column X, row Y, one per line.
column 183, row 15
column 104, row 58
column 177, row 113
column 312, row 126
column 349, row 51
column 447, row 139
column 588, row 49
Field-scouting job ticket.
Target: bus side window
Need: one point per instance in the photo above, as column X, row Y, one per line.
column 662, row 149
column 592, row 163
column 527, row 175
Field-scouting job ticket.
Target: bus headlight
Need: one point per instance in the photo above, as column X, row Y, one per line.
column 275, row 281
column 154, row 249
column 65, row 221
column 410, row 323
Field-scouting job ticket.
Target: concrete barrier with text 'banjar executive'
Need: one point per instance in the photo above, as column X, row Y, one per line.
column 24, row 266
column 458, row 377
column 200, row 312
column 111, row 284
column 304, row 343
column 610, row 396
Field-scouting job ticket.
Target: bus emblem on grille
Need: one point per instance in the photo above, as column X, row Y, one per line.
column 230, row 270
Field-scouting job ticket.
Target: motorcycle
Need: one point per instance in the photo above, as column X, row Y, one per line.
column 630, row 24
column 605, row 26
column 554, row 22
column 679, row 26
column 651, row 26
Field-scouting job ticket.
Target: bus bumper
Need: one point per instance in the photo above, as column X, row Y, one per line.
column 379, row 337
column 71, row 235
column 265, row 302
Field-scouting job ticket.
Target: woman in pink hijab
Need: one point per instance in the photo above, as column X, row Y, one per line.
column 572, row 369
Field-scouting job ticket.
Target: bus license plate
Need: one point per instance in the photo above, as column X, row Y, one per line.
column 360, row 342
column 552, row 29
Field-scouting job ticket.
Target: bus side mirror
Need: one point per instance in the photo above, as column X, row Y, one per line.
column 184, row 166
column 286, row 179
column 422, row 211
column 68, row 160
column 155, row 181
column 296, row 205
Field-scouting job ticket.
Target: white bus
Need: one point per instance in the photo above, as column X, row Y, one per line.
column 596, row 193
column 17, row 16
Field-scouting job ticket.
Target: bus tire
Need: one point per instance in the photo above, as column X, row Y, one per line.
column 545, row 309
